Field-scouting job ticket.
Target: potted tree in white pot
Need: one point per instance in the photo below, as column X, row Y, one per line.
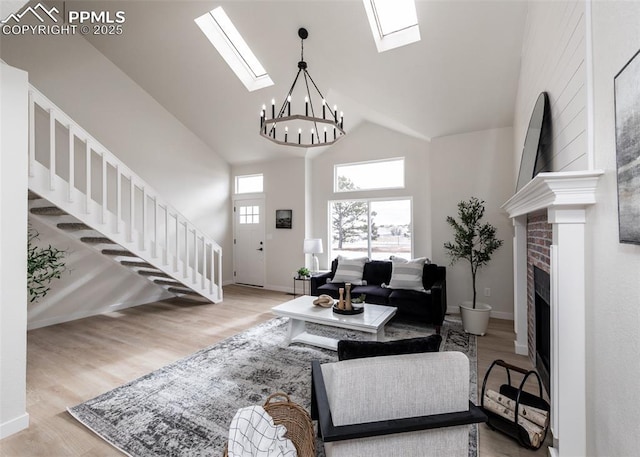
column 474, row 242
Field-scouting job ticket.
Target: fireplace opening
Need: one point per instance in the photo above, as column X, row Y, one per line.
column 542, row 289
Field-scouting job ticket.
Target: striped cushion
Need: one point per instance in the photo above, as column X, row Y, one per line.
column 350, row 270
column 407, row 274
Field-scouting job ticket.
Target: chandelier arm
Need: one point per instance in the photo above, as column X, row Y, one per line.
column 313, row 114
column 321, row 96
column 284, row 103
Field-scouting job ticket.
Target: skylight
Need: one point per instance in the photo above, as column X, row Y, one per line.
column 394, row 23
column 219, row 29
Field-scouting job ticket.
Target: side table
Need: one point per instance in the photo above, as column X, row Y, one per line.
column 306, row 285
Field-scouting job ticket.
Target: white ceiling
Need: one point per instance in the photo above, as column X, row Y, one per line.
column 462, row 76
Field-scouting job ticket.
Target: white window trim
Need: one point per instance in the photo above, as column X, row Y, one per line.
column 235, row 184
column 231, row 52
column 392, row 40
column 390, row 159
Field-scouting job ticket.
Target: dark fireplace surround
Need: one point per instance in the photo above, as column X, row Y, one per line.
column 539, row 236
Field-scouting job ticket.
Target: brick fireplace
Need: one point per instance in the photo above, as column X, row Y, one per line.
column 549, row 215
column 539, row 239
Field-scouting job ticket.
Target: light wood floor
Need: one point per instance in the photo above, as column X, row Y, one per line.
column 72, row 362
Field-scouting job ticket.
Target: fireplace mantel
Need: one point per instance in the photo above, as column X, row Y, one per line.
column 565, row 196
column 559, row 189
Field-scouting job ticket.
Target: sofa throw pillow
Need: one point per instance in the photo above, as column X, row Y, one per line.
column 407, row 274
column 427, row 261
column 350, row 270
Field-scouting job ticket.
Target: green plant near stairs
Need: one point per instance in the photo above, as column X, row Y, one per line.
column 43, row 266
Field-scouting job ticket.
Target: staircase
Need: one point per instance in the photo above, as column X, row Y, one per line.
column 77, row 186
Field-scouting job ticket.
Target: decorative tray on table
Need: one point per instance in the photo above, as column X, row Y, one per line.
column 356, row 309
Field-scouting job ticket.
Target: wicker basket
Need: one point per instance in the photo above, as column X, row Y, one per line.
column 295, row 419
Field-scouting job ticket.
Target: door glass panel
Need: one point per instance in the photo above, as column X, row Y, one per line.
column 249, row 215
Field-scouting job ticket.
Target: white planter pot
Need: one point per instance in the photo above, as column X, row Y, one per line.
column 476, row 320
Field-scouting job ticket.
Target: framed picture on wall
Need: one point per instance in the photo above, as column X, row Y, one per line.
column 284, row 218
column 627, row 111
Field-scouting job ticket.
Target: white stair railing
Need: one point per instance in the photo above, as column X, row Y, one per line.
column 72, row 170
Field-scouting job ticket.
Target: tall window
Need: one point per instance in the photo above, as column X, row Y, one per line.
column 371, row 228
column 379, row 174
column 249, row 184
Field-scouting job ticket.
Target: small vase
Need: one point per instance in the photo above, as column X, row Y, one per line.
column 341, row 300
column 347, row 300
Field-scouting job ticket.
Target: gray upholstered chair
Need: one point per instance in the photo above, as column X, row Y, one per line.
column 413, row 405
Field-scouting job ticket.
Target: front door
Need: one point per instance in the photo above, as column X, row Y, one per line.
column 249, row 242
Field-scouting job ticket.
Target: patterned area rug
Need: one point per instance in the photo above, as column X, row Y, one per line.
column 185, row 408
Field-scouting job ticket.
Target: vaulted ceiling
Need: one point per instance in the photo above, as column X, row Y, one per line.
column 462, row 76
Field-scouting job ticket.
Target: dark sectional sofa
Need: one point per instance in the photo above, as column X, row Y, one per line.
column 429, row 307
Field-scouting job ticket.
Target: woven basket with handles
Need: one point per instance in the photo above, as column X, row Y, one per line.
column 295, row 419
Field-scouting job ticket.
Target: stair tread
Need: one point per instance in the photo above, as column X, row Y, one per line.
column 96, row 240
column 73, row 226
column 48, row 211
column 164, row 282
column 176, row 290
column 153, row 273
column 118, row 252
column 127, row 263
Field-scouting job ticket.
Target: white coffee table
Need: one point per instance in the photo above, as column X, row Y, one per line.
column 302, row 310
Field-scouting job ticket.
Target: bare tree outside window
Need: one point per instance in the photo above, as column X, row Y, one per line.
column 349, row 219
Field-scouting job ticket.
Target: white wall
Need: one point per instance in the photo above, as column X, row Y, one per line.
column 13, row 246
column 476, row 164
column 613, row 311
column 553, row 61
column 372, row 142
column 133, row 126
column 284, row 188
column 89, row 282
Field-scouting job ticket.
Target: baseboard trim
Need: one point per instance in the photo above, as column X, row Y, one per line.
column 14, row 425
column 288, row 290
column 502, row 315
column 453, row 310
column 521, row 349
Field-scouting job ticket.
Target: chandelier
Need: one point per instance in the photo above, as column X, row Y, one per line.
column 308, row 129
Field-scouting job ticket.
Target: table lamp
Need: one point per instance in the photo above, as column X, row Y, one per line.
column 313, row 246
